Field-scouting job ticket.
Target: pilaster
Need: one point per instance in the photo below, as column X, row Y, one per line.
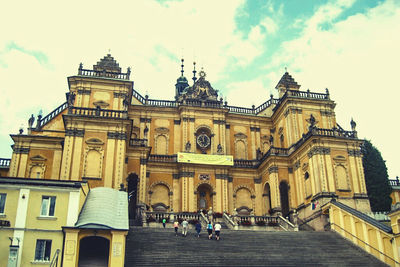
column 108, row 172
column 55, row 173
column 77, row 159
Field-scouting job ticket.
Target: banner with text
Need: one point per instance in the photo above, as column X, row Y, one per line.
column 205, row 159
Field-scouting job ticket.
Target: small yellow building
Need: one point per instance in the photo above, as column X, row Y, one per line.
column 32, row 214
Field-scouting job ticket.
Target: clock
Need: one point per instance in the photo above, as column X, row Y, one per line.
column 203, row 141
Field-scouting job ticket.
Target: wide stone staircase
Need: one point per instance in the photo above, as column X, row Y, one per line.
column 160, row 247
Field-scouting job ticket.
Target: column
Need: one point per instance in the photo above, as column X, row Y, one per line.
column 117, row 257
column 71, row 247
column 274, row 188
column 55, row 169
column 77, row 158
column 191, row 196
column 67, row 157
column 22, row 164
column 216, row 138
column 259, row 199
column 253, row 145
column 230, row 195
column 119, row 160
column 20, row 221
column 354, row 175
column 177, row 137
column 218, row 197
column 330, row 174
column 177, row 193
column 142, row 180
column 228, row 140
column 109, row 162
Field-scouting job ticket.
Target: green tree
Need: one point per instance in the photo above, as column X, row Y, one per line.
column 376, row 178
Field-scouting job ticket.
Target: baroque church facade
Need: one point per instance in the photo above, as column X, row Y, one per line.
column 196, row 152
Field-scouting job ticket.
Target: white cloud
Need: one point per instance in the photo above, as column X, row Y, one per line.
column 357, row 60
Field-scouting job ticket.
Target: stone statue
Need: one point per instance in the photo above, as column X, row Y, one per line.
column 71, row 98
column 219, row 149
column 259, row 153
column 31, row 121
column 188, row 146
column 271, row 140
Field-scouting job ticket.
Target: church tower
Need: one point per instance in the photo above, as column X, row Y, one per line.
column 181, row 83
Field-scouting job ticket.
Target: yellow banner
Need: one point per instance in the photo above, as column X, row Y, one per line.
column 205, row 159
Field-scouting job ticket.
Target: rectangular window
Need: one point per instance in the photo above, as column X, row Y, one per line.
column 48, row 206
column 2, row 203
column 43, row 250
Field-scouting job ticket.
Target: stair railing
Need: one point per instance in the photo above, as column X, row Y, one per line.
column 286, row 225
column 375, row 249
column 203, row 219
column 54, row 260
column 229, row 222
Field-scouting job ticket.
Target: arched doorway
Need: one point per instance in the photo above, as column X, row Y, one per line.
column 267, row 199
column 204, row 197
column 94, row 251
column 133, row 181
column 284, row 192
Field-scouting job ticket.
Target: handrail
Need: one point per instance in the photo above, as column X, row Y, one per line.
column 203, row 219
column 43, row 121
column 283, row 222
column 364, row 242
column 138, row 96
column 54, row 260
column 229, row 222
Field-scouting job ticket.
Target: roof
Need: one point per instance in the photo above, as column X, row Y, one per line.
column 363, row 216
column 105, row 208
column 287, row 81
column 40, row 182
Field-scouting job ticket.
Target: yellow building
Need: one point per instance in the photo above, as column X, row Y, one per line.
column 32, row 214
column 196, row 152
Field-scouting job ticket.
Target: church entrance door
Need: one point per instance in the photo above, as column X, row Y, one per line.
column 204, row 197
column 284, row 192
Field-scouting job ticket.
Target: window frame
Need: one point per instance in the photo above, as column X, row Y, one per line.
column 3, row 198
column 50, row 208
column 44, row 254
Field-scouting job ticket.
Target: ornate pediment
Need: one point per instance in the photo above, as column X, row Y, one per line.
column 37, row 158
column 201, row 90
column 162, row 130
column 94, row 141
column 100, row 104
column 240, row 136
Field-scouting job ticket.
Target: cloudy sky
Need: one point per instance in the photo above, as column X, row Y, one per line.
column 351, row 47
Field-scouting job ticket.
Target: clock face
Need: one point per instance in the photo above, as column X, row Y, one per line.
column 203, row 140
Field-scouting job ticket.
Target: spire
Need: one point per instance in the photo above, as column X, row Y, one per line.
column 182, row 67
column 194, row 72
column 181, row 82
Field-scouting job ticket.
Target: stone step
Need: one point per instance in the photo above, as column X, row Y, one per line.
column 155, row 246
